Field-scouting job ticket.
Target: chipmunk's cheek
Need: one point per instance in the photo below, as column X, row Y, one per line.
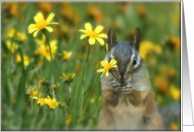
column 127, row 75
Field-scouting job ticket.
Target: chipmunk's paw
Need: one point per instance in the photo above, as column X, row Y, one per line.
column 122, row 88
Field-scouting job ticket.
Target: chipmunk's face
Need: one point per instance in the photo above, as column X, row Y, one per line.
column 125, row 53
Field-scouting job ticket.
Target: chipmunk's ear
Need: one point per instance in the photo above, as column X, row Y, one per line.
column 135, row 38
column 112, row 39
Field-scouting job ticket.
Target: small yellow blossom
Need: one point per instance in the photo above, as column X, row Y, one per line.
column 53, row 86
column 44, row 48
column 67, row 55
column 147, row 46
column 93, row 35
column 69, row 120
column 173, row 127
column 18, row 59
column 12, row 47
column 41, row 101
column 52, row 104
column 33, row 93
column 175, row 92
column 141, row 10
column 48, row 99
column 176, row 43
column 40, row 81
column 19, row 36
column 161, row 82
column 41, row 24
column 107, row 66
column 66, row 76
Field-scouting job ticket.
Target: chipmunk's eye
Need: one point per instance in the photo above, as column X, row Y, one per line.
column 134, row 61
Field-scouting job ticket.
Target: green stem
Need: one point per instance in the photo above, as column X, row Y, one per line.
column 52, row 66
column 90, row 93
column 83, row 84
column 120, row 83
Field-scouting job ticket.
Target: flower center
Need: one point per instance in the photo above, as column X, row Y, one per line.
column 41, row 24
column 52, row 104
column 92, row 34
column 107, row 67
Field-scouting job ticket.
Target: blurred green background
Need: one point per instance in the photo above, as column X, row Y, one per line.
column 160, row 48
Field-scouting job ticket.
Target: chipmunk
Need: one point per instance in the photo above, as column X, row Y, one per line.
column 141, row 113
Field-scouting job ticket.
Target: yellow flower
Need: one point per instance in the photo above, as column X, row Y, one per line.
column 161, row 83
column 41, row 101
column 52, row 103
column 53, row 86
column 67, row 55
column 175, row 92
column 141, row 10
column 66, row 76
column 18, row 59
column 44, row 48
column 41, row 23
column 93, row 34
column 11, row 47
column 147, row 46
column 173, row 126
column 40, row 81
column 33, row 93
column 47, row 100
column 19, row 36
column 107, row 66
column 69, row 120
column 176, row 43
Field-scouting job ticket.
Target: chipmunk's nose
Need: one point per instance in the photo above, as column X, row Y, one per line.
column 122, row 79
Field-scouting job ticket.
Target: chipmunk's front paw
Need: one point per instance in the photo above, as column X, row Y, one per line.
column 122, row 88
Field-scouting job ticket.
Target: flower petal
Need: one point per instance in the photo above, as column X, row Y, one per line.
column 81, row 30
column 31, row 26
column 88, row 27
column 102, row 35
column 38, row 41
column 107, row 74
column 38, row 17
column 49, row 29
column 32, row 30
column 35, row 33
column 83, row 36
column 101, row 41
column 92, row 41
column 98, row 29
column 103, row 63
column 100, row 70
column 102, row 74
column 114, row 66
column 50, row 17
column 113, row 61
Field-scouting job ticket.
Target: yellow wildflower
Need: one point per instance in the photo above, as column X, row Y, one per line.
column 146, row 47
column 48, row 99
column 44, row 48
column 175, row 92
column 176, row 43
column 41, row 24
column 11, row 47
column 19, row 36
column 52, row 104
column 33, row 93
column 93, row 34
column 40, row 81
column 41, row 101
column 69, row 120
column 141, row 10
column 173, row 127
column 67, row 55
column 18, row 59
column 66, row 76
column 161, row 83
column 107, row 66
column 53, row 86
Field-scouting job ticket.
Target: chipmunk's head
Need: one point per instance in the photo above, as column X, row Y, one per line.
column 126, row 53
